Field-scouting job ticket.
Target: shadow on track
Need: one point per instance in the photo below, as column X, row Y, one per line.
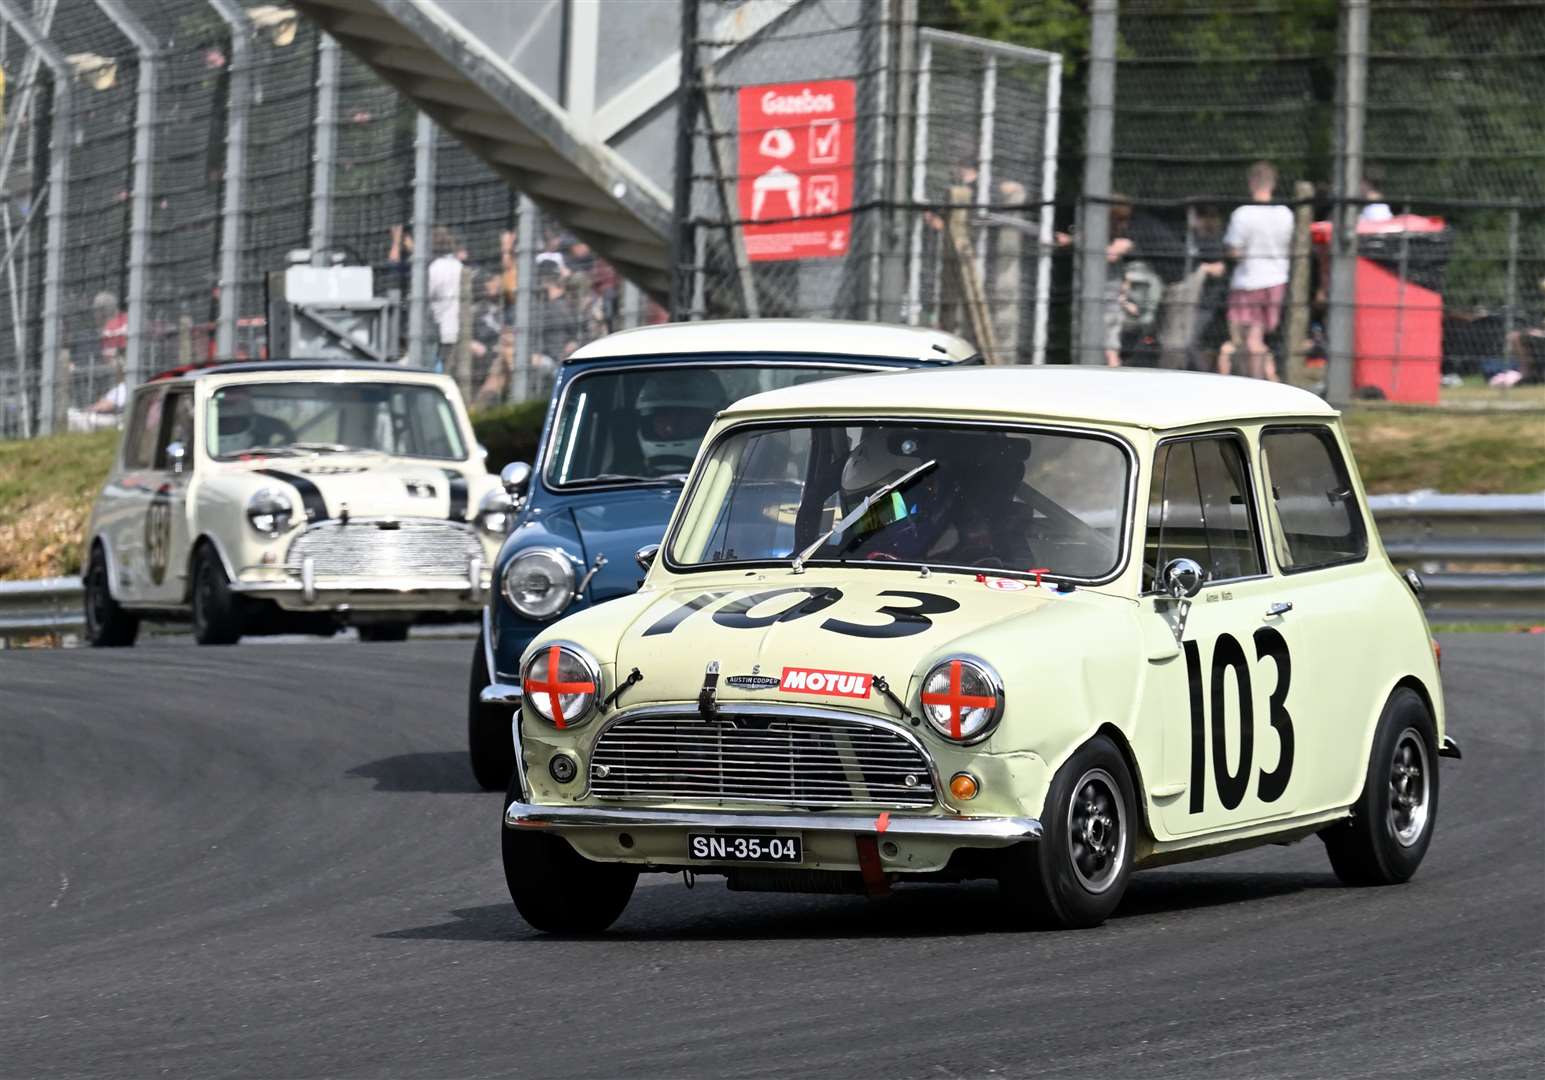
column 443, row 772
column 667, row 912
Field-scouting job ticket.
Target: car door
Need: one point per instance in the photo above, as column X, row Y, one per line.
column 128, row 495
column 1228, row 743
column 1334, row 631
column 165, row 539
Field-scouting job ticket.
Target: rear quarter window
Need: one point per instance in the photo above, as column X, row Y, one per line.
column 1316, row 520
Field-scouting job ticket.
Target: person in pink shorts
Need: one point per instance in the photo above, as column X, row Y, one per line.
column 1260, row 241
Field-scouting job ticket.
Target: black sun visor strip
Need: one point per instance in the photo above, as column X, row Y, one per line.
column 458, row 510
column 310, row 495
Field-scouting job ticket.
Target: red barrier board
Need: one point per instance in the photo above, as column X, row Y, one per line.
column 796, row 169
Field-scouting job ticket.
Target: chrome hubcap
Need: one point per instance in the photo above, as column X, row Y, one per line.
column 1097, row 833
column 1410, row 788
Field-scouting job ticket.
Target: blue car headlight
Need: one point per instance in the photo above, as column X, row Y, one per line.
column 539, row 583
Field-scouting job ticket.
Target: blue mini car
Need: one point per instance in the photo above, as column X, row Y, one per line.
column 626, row 417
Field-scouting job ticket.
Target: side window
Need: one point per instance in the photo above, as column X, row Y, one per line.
column 1317, row 520
column 178, row 428
column 139, row 444
column 1199, row 508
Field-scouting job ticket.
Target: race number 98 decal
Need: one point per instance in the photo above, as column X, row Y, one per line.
column 1228, row 660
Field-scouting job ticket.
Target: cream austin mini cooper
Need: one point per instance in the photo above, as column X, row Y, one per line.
column 265, row 497
column 1046, row 626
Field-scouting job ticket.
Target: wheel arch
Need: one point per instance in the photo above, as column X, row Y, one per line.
column 108, row 556
column 206, row 539
column 1139, row 789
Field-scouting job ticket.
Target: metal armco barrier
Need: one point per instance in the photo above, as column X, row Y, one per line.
column 44, row 606
column 1465, row 547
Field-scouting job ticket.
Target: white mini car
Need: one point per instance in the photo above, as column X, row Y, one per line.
column 266, row 497
column 1043, row 625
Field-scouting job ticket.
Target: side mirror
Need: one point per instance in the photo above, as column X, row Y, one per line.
column 176, row 456
column 645, row 556
column 515, row 476
column 1183, row 578
column 480, row 450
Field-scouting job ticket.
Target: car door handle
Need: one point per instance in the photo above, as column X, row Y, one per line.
column 1281, row 607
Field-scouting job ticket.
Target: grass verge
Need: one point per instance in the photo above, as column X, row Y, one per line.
column 46, row 489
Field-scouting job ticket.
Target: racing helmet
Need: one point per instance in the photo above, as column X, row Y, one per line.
column 674, row 411
column 880, row 456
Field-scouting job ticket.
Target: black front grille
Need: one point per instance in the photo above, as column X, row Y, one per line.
column 797, row 762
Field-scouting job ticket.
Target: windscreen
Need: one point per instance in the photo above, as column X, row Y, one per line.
column 643, row 424
column 962, row 496
column 404, row 419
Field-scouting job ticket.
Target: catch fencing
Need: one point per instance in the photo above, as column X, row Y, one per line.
column 162, row 158
column 1409, row 156
column 844, row 163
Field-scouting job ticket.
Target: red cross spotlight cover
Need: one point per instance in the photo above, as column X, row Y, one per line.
column 796, row 169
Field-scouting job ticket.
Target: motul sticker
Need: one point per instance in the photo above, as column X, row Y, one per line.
column 830, row 683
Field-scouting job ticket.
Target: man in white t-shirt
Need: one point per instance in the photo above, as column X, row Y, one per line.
column 1260, row 241
column 445, row 297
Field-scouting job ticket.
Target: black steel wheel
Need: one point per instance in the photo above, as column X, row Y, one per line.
column 1076, row 874
column 107, row 624
column 555, row 888
column 217, row 611
column 490, row 745
column 1393, row 820
column 384, row 631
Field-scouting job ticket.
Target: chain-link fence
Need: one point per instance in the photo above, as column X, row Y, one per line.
column 165, row 161
column 846, row 165
column 1334, row 191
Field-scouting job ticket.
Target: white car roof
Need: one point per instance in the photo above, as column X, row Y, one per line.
column 1149, row 398
column 816, row 336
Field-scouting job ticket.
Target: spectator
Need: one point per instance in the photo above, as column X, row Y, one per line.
column 445, row 296
column 397, row 271
column 1526, row 349
column 1260, row 240
column 1376, row 209
column 1118, row 247
column 557, row 325
column 113, row 324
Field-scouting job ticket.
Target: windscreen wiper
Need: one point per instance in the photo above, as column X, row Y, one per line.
column 861, row 509
column 325, row 447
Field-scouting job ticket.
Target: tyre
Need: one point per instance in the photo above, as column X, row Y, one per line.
column 107, row 624
column 1076, row 874
column 489, row 745
column 384, row 631
column 557, row 890
column 217, row 612
column 1394, row 817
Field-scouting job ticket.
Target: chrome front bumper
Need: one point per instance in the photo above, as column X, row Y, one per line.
column 973, row 831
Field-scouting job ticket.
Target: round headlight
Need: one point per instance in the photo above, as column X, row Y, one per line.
column 270, row 511
column 561, row 683
column 539, row 583
column 963, row 699
column 493, row 512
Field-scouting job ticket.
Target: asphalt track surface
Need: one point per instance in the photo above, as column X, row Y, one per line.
column 271, row 861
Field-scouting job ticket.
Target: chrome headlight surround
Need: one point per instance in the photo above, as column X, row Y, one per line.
column 270, row 511
column 538, row 583
column 570, row 699
column 494, row 511
column 962, row 699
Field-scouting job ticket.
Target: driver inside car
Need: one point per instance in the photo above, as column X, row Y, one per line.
column 242, row 427
column 674, row 410
column 962, row 511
